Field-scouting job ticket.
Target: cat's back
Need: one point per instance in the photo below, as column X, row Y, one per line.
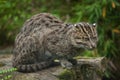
column 39, row 22
column 38, row 26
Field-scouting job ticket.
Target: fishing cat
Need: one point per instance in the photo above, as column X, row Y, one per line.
column 44, row 38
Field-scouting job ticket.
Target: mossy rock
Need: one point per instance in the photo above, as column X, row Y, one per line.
column 67, row 75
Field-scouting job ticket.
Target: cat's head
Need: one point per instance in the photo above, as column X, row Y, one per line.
column 84, row 35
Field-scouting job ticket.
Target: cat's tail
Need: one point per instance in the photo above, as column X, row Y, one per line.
column 33, row 67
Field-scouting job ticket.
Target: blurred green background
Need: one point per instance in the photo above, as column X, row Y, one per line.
column 106, row 13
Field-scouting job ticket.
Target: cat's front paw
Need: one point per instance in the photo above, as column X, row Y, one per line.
column 66, row 64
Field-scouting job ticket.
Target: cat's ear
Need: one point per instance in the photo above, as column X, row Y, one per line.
column 76, row 26
column 94, row 25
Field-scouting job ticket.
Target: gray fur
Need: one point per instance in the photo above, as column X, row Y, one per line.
column 44, row 38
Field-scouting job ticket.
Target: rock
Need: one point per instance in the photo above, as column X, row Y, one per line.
column 86, row 69
column 90, row 68
column 46, row 74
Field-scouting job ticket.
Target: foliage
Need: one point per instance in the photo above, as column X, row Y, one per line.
column 106, row 13
column 7, row 74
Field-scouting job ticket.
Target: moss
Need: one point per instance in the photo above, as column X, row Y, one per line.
column 67, row 75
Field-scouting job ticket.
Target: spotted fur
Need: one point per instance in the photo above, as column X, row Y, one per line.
column 44, row 38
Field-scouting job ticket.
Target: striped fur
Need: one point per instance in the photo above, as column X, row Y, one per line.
column 33, row 67
column 85, row 35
